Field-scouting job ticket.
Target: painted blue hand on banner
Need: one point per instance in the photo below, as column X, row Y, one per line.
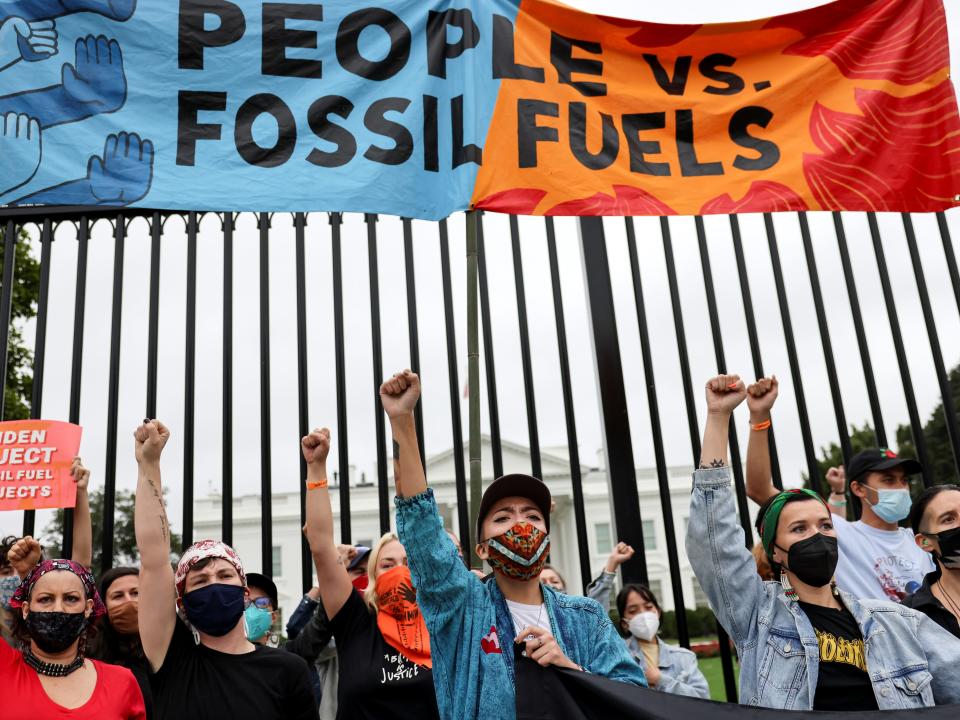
column 44, row 9
column 93, row 86
column 20, row 151
column 23, row 40
column 120, row 177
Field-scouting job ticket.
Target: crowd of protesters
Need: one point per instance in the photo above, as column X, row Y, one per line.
column 826, row 613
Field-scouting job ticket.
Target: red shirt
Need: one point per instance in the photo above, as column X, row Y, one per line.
column 116, row 695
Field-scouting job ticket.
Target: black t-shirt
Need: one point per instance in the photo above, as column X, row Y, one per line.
column 376, row 681
column 844, row 683
column 202, row 684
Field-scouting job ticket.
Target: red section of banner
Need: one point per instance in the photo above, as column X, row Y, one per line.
column 848, row 106
column 35, row 460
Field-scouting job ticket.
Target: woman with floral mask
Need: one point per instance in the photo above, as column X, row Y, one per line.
column 51, row 676
column 668, row 668
column 382, row 642
column 475, row 625
column 803, row 643
column 935, row 520
column 117, row 640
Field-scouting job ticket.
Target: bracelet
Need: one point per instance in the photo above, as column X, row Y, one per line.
column 316, row 484
column 831, row 501
column 765, row 425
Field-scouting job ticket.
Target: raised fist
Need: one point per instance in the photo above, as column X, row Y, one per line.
column 97, row 81
column 400, row 393
column 150, row 437
column 724, row 393
column 124, row 173
column 761, row 396
column 24, row 554
column 316, row 446
column 80, row 474
column 837, row 480
column 621, row 553
column 20, row 150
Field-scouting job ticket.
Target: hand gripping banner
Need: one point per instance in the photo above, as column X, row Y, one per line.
column 421, row 108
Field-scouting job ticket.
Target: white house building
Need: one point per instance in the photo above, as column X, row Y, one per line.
column 440, row 474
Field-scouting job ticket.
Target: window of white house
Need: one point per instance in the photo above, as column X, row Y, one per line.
column 656, row 587
column 276, row 553
column 699, row 596
column 601, row 533
column 649, row 535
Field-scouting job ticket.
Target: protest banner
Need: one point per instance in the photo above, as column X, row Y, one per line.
column 35, row 459
column 522, row 106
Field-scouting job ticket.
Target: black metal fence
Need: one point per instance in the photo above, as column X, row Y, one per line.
column 608, row 249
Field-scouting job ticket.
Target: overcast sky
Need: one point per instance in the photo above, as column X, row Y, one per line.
column 360, row 385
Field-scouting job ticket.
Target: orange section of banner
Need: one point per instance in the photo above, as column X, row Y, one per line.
column 848, row 106
column 35, row 460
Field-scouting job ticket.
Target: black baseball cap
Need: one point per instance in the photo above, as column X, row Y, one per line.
column 878, row 460
column 262, row 582
column 515, row 485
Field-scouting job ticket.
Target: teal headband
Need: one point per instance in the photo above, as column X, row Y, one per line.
column 771, row 518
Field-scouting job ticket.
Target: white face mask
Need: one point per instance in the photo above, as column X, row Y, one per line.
column 644, row 626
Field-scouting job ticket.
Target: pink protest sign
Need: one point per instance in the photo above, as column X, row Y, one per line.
column 35, row 459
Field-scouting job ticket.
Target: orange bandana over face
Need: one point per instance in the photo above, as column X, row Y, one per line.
column 399, row 619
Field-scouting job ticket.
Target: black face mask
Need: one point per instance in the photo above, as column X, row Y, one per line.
column 54, row 632
column 814, row 559
column 949, row 554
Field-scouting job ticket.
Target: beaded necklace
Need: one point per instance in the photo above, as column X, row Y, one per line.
column 52, row 669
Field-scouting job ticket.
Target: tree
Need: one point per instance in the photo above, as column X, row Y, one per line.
column 832, row 456
column 26, row 291
column 943, row 468
column 124, row 539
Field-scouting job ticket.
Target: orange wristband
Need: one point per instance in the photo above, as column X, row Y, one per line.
column 316, row 484
column 765, row 425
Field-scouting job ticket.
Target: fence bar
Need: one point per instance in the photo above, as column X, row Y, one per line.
column 528, row 389
column 843, row 431
column 413, row 332
column 300, row 228
column 40, row 344
column 153, row 331
column 76, row 364
column 951, row 257
column 226, row 507
column 266, row 490
column 10, row 238
column 916, row 427
column 473, row 375
column 663, row 478
column 573, row 444
column 813, row 469
column 853, row 297
column 726, row 656
column 383, row 489
column 343, row 478
column 489, row 365
column 113, row 393
column 716, row 332
column 189, row 379
column 621, row 471
column 946, row 392
column 754, row 338
column 460, row 475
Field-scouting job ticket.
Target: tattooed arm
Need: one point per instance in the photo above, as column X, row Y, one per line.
column 158, row 593
column 332, row 577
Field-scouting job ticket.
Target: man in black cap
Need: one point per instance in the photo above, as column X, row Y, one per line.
column 474, row 625
column 878, row 558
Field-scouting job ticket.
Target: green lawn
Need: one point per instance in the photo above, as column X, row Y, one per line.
column 712, row 670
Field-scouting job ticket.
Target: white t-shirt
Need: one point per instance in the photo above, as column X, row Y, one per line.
column 879, row 564
column 528, row 616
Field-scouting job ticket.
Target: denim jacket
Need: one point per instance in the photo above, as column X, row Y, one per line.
column 471, row 629
column 912, row 661
column 679, row 670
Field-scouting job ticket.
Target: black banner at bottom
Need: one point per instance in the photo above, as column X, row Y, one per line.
column 556, row 694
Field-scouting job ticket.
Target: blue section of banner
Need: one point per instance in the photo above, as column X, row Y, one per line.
column 99, row 104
